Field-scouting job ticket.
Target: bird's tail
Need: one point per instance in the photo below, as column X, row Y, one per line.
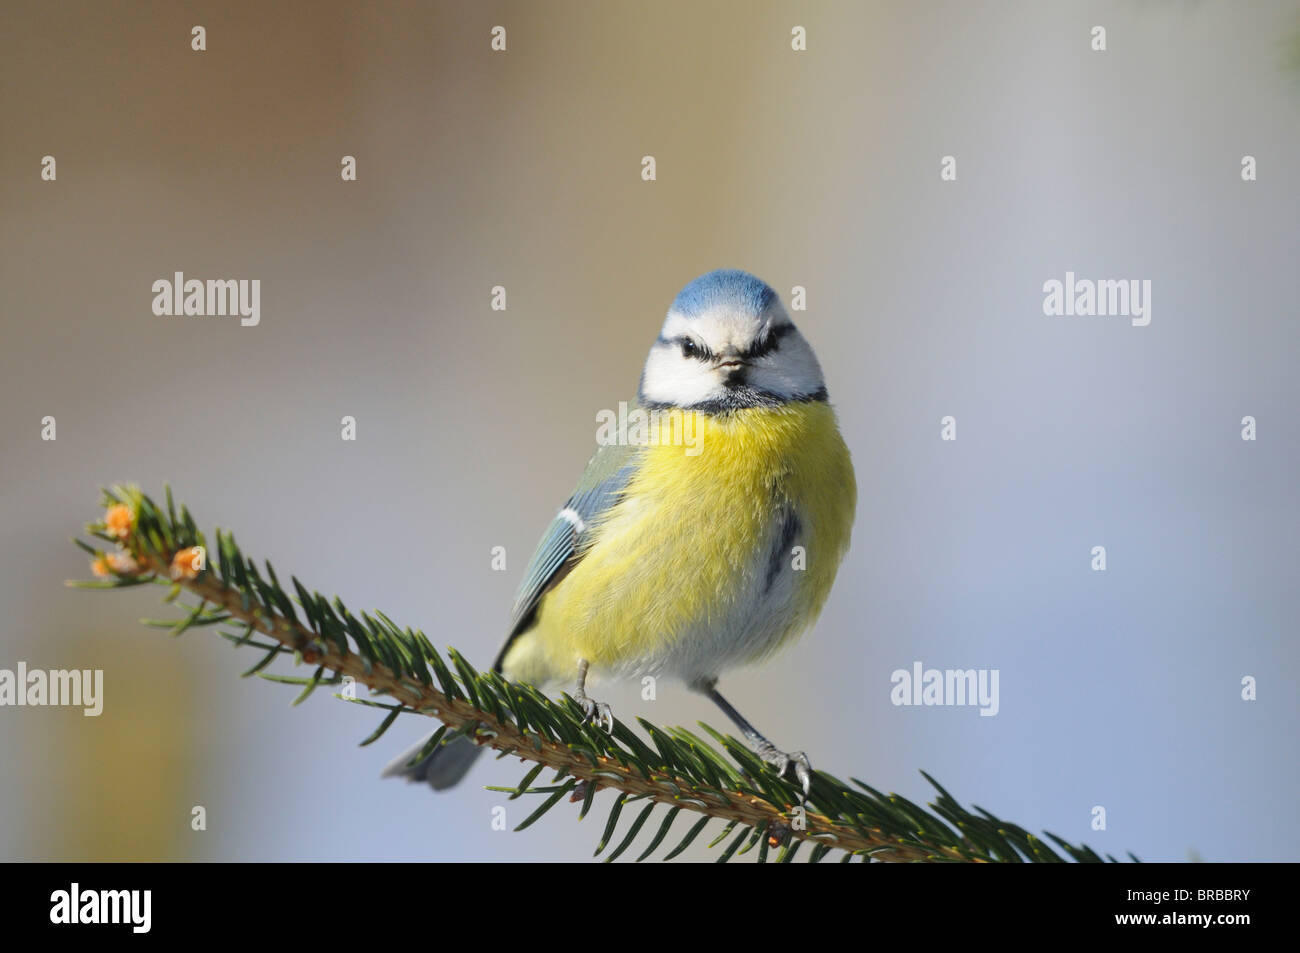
column 440, row 769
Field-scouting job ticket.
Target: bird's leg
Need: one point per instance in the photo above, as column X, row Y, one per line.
column 764, row 748
column 598, row 713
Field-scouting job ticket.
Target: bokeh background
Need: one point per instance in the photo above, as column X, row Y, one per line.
column 522, row 169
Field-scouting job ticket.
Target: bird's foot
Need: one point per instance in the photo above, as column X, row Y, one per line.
column 784, row 762
column 597, row 713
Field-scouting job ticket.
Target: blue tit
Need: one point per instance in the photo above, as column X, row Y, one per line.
column 680, row 564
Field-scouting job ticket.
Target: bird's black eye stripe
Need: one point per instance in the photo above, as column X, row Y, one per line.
column 688, row 346
column 769, row 343
column 692, row 349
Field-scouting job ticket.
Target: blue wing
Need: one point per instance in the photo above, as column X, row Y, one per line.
column 563, row 543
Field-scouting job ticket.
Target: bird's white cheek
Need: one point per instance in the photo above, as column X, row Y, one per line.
column 673, row 380
column 796, row 372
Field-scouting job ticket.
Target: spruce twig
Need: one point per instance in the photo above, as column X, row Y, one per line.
column 674, row 772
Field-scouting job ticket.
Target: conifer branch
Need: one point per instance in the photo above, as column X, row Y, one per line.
column 675, row 769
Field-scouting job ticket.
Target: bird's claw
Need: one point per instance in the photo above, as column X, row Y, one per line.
column 782, row 762
column 597, row 713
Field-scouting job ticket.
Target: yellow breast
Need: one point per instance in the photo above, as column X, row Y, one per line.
column 695, row 569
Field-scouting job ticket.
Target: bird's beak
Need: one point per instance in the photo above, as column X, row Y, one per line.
column 732, row 364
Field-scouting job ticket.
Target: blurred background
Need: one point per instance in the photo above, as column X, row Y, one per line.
column 523, row 169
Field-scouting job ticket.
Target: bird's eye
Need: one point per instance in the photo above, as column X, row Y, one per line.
column 688, row 348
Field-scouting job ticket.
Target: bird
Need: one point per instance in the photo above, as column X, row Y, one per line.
column 684, row 565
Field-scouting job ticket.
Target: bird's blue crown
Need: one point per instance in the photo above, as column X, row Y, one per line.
column 726, row 287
